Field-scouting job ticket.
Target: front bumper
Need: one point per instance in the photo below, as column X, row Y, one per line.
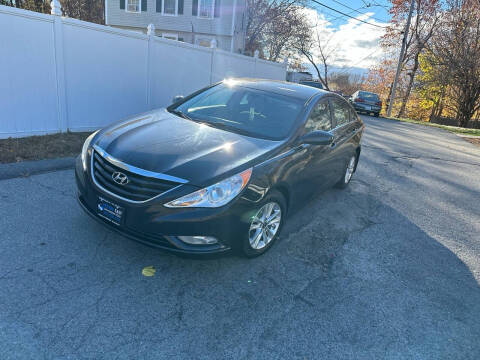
column 153, row 224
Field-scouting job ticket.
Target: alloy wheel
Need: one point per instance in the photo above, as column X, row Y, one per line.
column 265, row 225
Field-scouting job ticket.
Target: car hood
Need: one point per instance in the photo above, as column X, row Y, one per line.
column 162, row 142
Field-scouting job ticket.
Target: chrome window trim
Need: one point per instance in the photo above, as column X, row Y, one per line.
column 131, row 169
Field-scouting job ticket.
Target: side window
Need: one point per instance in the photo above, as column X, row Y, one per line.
column 341, row 112
column 353, row 115
column 319, row 118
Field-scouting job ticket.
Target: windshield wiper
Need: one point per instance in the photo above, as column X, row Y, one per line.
column 180, row 113
column 223, row 126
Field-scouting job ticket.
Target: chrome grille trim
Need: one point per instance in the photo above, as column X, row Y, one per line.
column 133, row 170
column 136, row 170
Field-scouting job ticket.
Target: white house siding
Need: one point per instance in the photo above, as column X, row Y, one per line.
column 92, row 75
column 223, row 42
column 179, row 23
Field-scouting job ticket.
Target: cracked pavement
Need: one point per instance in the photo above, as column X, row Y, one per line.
column 388, row 268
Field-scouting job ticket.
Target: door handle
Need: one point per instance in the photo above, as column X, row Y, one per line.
column 301, row 147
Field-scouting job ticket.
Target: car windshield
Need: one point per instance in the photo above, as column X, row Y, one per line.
column 242, row 109
column 368, row 96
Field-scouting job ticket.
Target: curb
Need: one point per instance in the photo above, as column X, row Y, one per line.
column 27, row 168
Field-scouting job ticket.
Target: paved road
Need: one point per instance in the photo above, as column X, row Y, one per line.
column 388, row 268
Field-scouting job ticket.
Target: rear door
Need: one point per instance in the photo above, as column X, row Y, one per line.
column 345, row 128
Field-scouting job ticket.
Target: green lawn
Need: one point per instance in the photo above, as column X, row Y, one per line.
column 454, row 129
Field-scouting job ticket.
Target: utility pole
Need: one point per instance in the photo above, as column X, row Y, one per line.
column 400, row 59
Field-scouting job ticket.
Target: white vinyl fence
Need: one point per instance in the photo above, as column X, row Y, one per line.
column 59, row 74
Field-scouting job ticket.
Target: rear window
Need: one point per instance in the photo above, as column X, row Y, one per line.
column 368, row 96
column 314, row 84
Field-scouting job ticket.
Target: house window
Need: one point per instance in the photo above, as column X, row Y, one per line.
column 133, row 6
column 169, row 7
column 205, row 8
column 170, row 36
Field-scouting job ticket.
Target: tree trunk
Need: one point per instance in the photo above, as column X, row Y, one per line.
column 387, row 102
column 411, row 76
column 466, row 110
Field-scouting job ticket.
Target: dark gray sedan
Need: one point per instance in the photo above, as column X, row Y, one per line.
column 220, row 169
column 367, row 102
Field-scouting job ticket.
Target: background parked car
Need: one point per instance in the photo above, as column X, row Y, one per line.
column 367, row 102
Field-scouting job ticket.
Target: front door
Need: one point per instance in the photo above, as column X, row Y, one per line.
column 316, row 164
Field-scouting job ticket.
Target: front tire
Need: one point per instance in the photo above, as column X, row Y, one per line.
column 348, row 173
column 265, row 225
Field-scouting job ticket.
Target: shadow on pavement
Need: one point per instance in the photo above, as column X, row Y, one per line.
column 351, row 278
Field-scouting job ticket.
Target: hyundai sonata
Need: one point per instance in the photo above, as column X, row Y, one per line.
column 220, row 169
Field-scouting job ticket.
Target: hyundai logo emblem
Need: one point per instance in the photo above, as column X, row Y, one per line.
column 120, row 178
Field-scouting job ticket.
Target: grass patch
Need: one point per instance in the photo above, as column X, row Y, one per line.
column 454, row 129
column 41, row 147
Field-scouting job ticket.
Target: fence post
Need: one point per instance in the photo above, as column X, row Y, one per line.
column 255, row 56
column 213, row 46
column 151, row 34
column 56, row 10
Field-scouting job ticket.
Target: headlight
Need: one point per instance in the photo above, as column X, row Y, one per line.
column 86, row 144
column 215, row 195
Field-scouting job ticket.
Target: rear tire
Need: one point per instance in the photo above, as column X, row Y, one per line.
column 262, row 233
column 348, row 173
column 376, row 114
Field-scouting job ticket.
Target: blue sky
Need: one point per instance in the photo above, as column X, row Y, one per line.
column 378, row 8
column 351, row 44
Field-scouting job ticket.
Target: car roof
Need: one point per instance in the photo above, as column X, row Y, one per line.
column 366, row 92
column 301, row 92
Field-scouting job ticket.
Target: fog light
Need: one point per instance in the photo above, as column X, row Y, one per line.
column 199, row 240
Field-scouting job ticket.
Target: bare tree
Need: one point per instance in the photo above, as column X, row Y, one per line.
column 315, row 47
column 454, row 57
column 270, row 25
column 346, row 82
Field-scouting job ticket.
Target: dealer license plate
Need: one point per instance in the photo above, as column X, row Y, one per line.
column 109, row 211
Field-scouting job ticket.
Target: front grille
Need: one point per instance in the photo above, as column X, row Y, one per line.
column 138, row 188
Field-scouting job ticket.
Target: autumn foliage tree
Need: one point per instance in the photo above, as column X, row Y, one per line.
column 452, row 62
column 87, row 10
column 422, row 28
column 42, row 6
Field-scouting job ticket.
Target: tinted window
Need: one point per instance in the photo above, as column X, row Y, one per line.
column 353, row 115
column 319, row 118
column 341, row 112
column 368, row 96
column 245, row 110
column 314, row 84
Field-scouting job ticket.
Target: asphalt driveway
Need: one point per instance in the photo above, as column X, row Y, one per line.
column 388, row 268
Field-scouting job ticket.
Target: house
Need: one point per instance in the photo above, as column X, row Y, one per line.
column 192, row 21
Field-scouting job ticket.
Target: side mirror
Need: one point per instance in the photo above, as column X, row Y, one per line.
column 318, row 137
column 177, row 98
